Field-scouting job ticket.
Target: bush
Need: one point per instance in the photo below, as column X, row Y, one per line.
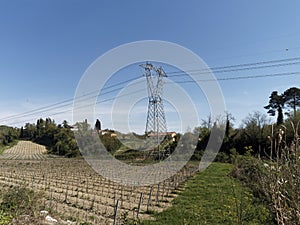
column 19, row 201
column 112, row 144
column 5, row 218
column 222, row 157
column 275, row 181
column 249, row 170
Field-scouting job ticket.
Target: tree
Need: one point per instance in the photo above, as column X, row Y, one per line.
column 255, row 128
column 29, row 131
column 276, row 103
column 40, row 124
column 83, row 126
column 98, row 125
column 112, row 144
column 65, row 124
column 292, row 98
column 22, row 132
column 203, row 133
column 230, row 134
column 64, row 143
column 59, row 139
column 229, row 124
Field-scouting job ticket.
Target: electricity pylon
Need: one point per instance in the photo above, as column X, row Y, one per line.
column 156, row 127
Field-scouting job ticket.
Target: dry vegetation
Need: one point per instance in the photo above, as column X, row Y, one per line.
column 276, row 179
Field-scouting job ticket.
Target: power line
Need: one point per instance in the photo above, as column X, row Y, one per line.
column 223, row 69
column 189, row 81
column 200, row 72
column 239, row 65
column 67, row 102
column 260, row 53
column 84, row 106
column 243, row 77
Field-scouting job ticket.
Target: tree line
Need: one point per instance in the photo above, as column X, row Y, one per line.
column 8, row 135
column 58, row 138
column 255, row 136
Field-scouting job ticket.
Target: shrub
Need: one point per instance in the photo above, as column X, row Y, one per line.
column 20, row 201
column 249, row 170
column 5, row 218
column 277, row 181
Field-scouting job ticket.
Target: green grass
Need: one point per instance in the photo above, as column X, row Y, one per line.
column 213, row 197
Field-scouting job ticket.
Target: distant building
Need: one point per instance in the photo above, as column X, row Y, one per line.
column 107, row 131
column 153, row 134
column 74, row 128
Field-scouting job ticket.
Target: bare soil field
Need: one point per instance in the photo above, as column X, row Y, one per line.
column 73, row 190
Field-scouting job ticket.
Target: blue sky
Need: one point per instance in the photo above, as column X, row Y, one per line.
column 45, row 46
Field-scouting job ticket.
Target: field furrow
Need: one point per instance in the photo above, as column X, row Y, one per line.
column 71, row 188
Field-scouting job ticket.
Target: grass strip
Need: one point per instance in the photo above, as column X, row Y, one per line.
column 214, row 197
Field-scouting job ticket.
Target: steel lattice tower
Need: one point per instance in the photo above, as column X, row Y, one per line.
column 156, row 122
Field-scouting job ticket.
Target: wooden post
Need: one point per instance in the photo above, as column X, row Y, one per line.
column 83, row 201
column 66, row 196
column 149, row 199
column 169, row 185
column 163, row 193
column 116, row 212
column 175, row 181
column 87, row 185
column 50, row 200
column 33, row 179
column 115, row 197
column 93, row 202
column 121, row 198
column 173, row 185
column 157, row 193
column 139, row 206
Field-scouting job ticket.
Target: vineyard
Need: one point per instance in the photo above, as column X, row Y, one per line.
column 25, row 150
column 73, row 190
